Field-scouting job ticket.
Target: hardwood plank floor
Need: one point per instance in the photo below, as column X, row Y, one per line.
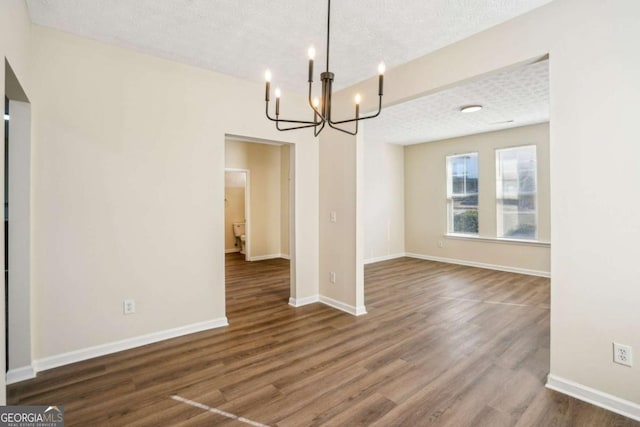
column 441, row 345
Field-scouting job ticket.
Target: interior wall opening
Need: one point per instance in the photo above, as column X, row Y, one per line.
column 259, row 222
column 408, row 189
column 405, row 190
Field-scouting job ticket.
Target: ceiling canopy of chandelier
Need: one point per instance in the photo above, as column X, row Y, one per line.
column 321, row 107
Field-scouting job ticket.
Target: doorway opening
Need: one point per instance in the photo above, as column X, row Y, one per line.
column 259, row 224
column 236, row 204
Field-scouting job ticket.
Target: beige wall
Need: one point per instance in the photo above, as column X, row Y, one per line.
column 15, row 39
column 15, row 29
column 128, row 192
column 594, row 68
column 595, row 175
column 426, row 196
column 264, row 162
column 384, row 222
column 285, row 202
column 341, row 163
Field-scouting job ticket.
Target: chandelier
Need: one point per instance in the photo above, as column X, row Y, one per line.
column 321, row 107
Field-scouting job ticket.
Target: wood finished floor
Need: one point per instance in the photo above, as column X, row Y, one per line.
column 441, row 345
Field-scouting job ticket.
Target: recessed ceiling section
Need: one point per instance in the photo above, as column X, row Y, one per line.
column 511, row 98
column 243, row 38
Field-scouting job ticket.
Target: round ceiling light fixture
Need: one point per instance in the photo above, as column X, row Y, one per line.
column 470, row 108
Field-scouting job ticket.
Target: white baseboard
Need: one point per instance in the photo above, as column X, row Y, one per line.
column 384, row 258
column 231, row 251
column 595, row 397
column 20, row 374
column 481, row 265
column 126, row 344
column 299, row 302
column 356, row 311
column 265, row 257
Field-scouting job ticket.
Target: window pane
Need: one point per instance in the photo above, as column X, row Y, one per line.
column 462, row 193
column 465, row 214
column 516, row 192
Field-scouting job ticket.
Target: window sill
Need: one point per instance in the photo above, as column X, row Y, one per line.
column 498, row 240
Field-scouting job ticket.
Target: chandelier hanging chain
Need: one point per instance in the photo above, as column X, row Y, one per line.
column 321, row 108
column 328, row 32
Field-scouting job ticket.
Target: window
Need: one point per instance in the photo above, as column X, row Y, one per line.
column 462, row 193
column 516, row 192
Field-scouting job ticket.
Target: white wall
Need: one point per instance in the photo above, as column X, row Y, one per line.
column 266, row 170
column 384, row 223
column 19, row 241
column 128, row 193
column 426, row 201
column 15, row 41
column 594, row 68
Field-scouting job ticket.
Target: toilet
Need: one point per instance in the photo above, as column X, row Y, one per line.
column 238, row 232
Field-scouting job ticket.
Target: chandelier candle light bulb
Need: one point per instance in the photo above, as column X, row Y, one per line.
column 278, row 94
column 312, row 55
column 381, row 70
column 267, row 77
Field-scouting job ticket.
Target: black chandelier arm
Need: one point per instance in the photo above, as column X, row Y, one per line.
column 277, row 120
column 293, row 128
column 357, row 119
column 306, row 123
column 354, row 132
column 317, row 131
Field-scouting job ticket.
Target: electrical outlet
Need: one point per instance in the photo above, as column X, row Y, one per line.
column 333, row 216
column 622, row 354
column 332, row 277
column 440, row 244
column 129, row 306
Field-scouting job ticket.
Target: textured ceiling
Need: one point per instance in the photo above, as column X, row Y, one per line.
column 244, row 37
column 511, row 98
